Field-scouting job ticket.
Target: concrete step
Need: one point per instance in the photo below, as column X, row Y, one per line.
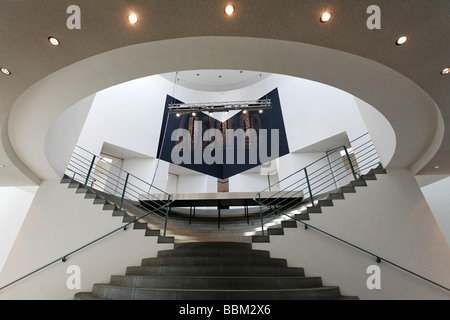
column 325, row 203
column 215, row 270
column 215, row 283
column 336, row 196
column 126, row 293
column 288, row 224
column 315, row 209
column 247, row 260
column 162, row 239
column 213, row 252
column 260, row 239
column 74, row 184
column 275, row 231
column 348, row 189
column 302, row 216
column 378, row 170
column 368, row 176
column 358, row 183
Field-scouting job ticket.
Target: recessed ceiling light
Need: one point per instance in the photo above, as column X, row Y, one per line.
column 325, row 17
column 194, row 114
column 53, row 40
column 178, row 115
column 5, row 71
column 446, row 71
column 436, row 167
column 260, row 111
column 244, row 111
column 229, row 9
column 401, row 40
column 133, row 18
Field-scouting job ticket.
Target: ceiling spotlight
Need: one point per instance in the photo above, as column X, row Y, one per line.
column 244, row 111
column 194, row 114
column 325, row 17
column 446, row 71
column 53, row 40
column 229, row 9
column 436, row 167
column 133, row 18
column 260, row 111
column 5, row 71
column 178, row 115
column 401, row 40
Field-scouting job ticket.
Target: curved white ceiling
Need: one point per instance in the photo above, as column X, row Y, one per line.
column 392, row 94
column 215, row 80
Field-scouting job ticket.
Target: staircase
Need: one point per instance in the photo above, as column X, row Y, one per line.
column 128, row 216
column 213, row 271
column 290, row 220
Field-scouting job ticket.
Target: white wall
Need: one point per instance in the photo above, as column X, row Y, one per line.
column 14, row 205
column 251, row 182
column 390, row 218
column 437, row 196
column 381, row 132
column 59, row 221
column 63, row 135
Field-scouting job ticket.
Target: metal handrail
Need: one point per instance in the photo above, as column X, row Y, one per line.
column 379, row 259
column 114, row 184
column 312, row 180
column 366, row 158
column 77, row 164
column 64, row 258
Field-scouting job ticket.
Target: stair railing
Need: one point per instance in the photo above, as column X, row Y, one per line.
column 84, row 170
column 120, row 187
column 340, row 167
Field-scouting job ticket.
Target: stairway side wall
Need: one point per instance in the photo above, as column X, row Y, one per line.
column 390, row 218
column 59, row 221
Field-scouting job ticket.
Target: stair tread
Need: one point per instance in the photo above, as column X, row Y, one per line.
column 218, row 290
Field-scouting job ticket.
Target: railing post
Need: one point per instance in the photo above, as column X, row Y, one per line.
column 90, row 170
column 261, row 213
column 309, row 187
column 167, row 215
column 123, row 192
column 350, row 163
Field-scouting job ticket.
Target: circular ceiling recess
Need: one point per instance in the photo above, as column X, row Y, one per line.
column 215, row 80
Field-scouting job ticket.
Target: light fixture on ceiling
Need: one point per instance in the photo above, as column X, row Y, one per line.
column 194, row 114
column 401, row 40
column 53, row 41
column 132, row 18
column 244, row 111
column 436, row 167
column 6, row 71
column 260, row 111
column 229, row 9
column 445, row 71
column 184, row 108
column 325, row 17
column 178, row 115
